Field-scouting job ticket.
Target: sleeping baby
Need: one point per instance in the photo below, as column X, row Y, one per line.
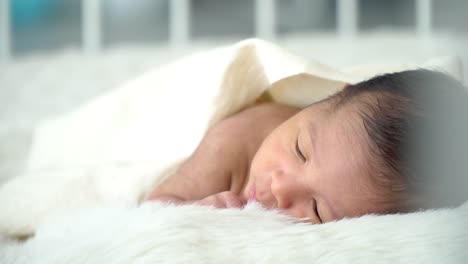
column 376, row 147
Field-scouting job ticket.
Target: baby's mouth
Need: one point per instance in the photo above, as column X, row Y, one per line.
column 258, row 196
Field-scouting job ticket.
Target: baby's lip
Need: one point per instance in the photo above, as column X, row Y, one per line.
column 252, row 194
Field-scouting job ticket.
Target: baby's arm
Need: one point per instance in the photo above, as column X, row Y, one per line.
column 215, row 172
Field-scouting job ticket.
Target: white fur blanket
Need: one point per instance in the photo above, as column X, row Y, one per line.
column 154, row 233
column 110, row 153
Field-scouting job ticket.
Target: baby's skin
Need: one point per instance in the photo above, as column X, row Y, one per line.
column 310, row 163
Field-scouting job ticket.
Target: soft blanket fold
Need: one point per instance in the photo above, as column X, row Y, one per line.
column 116, row 148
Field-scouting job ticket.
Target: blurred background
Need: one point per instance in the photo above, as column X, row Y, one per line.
column 57, row 54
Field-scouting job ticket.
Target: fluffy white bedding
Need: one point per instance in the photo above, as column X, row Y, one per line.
column 154, row 233
column 112, row 151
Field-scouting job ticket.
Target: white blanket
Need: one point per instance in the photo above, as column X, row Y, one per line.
column 114, row 150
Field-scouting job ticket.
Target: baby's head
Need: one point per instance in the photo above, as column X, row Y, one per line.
column 394, row 143
column 416, row 127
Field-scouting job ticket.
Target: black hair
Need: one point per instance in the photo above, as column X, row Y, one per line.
column 417, row 126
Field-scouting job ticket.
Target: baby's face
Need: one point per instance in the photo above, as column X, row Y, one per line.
column 315, row 165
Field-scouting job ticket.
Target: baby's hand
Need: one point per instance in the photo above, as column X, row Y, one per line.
column 222, row 200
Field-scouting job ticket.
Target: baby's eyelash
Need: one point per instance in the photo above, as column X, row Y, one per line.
column 317, row 213
column 298, row 151
column 315, row 208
